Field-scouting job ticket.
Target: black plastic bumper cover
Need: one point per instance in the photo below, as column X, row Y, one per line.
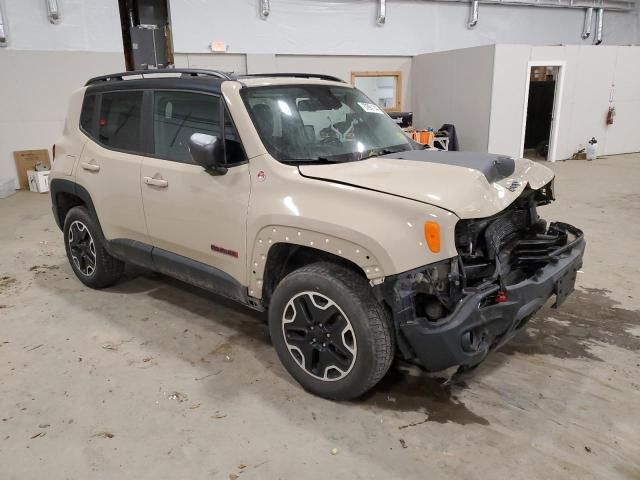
column 467, row 335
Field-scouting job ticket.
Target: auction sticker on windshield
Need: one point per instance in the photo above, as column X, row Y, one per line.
column 370, row 107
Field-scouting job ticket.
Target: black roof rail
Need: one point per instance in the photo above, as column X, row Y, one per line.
column 185, row 72
column 295, row 75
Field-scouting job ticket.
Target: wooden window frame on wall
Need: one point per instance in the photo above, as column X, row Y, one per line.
column 398, row 100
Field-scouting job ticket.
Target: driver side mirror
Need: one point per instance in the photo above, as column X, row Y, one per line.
column 208, row 151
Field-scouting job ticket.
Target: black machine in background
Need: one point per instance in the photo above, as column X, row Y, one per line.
column 146, row 34
column 403, row 119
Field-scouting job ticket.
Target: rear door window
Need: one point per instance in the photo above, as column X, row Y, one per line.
column 119, row 127
column 177, row 116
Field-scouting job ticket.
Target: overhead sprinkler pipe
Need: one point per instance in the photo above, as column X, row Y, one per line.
column 265, row 9
column 588, row 20
column 473, row 14
column 381, row 19
column 53, row 11
column 4, row 28
column 599, row 20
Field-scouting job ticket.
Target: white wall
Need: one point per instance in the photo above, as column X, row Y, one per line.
column 347, row 27
column 92, row 25
column 455, row 87
column 342, row 66
column 339, row 66
column 34, row 93
column 507, row 98
column 45, row 62
column 226, row 62
column 313, row 27
column 592, row 76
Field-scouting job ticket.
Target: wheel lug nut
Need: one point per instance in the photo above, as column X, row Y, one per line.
column 320, row 325
column 324, row 344
column 312, row 327
column 328, row 335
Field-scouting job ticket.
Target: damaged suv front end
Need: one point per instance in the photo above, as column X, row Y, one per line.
column 454, row 312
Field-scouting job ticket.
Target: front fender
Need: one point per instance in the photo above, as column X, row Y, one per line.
column 383, row 234
column 272, row 235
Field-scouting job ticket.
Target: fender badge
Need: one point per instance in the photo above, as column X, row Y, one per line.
column 261, row 176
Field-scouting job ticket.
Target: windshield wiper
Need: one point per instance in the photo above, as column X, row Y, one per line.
column 382, row 151
column 306, row 161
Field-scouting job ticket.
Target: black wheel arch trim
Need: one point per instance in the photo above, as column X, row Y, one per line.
column 61, row 185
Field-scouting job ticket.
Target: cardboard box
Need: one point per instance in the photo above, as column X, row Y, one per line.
column 38, row 181
column 27, row 160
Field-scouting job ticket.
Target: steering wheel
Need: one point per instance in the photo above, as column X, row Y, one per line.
column 330, row 141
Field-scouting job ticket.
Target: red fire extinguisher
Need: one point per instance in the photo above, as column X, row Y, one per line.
column 610, row 114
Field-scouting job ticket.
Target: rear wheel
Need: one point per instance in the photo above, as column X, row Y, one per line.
column 84, row 244
column 329, row 332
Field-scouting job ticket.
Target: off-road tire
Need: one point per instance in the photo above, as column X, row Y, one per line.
column 371, row 327
column 107, row 268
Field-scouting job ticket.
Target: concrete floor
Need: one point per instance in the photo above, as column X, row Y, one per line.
column 154, row 379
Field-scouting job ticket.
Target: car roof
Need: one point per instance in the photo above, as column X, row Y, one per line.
column 199, row 80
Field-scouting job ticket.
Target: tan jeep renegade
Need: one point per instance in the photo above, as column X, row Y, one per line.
column 296, row 194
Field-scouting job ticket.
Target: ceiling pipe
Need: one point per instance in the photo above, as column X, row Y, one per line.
column 4, row 28
column 473, row 14
column 599, row 20
column 588, row 20
column 381, row 19
column 53, row 11
column 265, row 9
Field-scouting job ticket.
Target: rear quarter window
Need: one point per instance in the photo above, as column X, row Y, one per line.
column 87, row 115
column 119, row 125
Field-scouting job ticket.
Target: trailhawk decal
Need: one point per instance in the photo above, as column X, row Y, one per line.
column 224, row 251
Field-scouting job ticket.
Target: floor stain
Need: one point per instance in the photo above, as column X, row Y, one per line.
column 6, row 281
column 40, row 269
column 436, row 397
column 224, row 350
column 586, row 317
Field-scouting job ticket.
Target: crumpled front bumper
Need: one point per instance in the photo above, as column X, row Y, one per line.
column 478, row 325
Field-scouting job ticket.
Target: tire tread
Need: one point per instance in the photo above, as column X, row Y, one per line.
column 108, row 268
column 379, row 323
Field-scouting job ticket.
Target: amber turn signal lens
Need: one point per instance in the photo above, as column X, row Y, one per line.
column 432, row 236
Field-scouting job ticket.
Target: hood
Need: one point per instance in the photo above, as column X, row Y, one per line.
column 471, row 185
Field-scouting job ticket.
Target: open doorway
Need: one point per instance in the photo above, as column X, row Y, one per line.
column 146, row 34
column 541, row 110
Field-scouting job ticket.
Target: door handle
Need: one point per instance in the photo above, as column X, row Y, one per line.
column 91, row 167
column 156, row 182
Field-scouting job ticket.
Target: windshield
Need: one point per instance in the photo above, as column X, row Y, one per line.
column 321, row 123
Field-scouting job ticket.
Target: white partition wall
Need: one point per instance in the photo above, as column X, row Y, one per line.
column 595, row 77
column 455, row 87
column 483, row 91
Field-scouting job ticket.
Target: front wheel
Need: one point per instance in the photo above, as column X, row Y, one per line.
column 331, row 335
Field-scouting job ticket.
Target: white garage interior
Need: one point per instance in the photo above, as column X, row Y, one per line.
column 154, row 378
column 492, row 113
